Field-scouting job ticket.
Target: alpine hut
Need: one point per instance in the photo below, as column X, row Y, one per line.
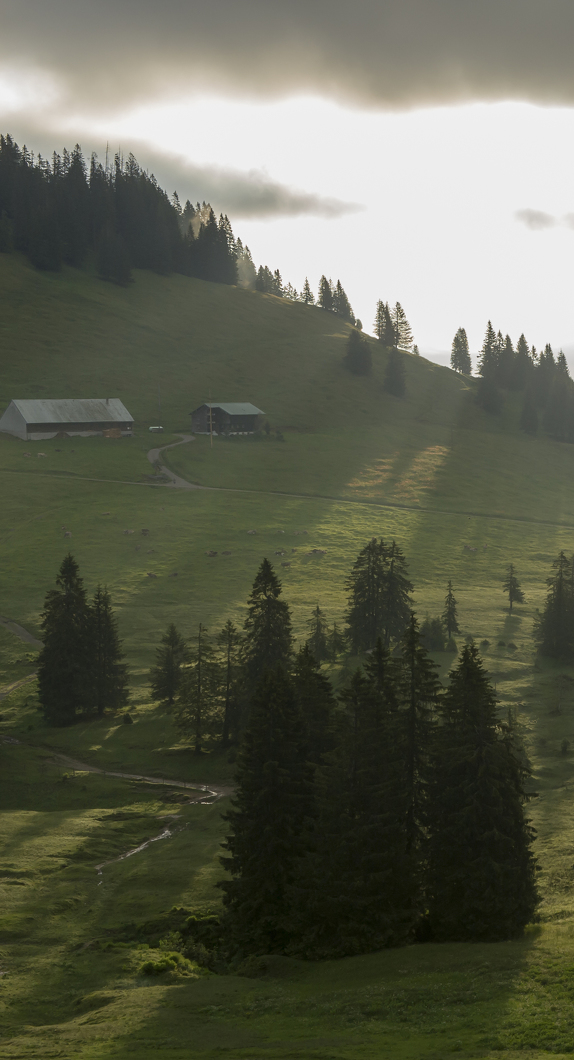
column 33, row 419
column 225, row 417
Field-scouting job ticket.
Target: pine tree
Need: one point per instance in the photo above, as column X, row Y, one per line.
column 307, row 295
column 506, row 359
column 450, row 614
column 511, row 585
column 358, row 359
column 268, row 638
column 325, row 296
column 403, row 332
column 229, row 640
column 265, row 839
column 165, row 676
column 396, row 602
column 352, row 893
column 65, row 664
column 481, row 871
column 198, row 710
column 318, row 634
column 555, row 631
column 460, row 356
column 395, row 375
column 529, row 415
column 110, row 684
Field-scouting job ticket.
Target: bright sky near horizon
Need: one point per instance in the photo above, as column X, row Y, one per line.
column 462, row 210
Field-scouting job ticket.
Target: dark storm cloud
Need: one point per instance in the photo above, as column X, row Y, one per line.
column 375, row 52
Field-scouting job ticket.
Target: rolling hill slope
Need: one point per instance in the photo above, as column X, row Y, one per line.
column 431, row 470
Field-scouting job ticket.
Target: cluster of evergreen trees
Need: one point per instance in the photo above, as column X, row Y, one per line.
column 393, row 813
column 358, row 360
column 543, row 379
column 392, row 327
column 80, row 668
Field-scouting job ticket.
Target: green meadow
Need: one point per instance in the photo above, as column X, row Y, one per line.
column 351, row 462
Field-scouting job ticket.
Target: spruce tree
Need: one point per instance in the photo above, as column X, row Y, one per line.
column 450, row 614
column 488, row 357
column 395, row 381
column 110, row 684
column 341, row 305
column 198, row 708
column 165, row 676
column 352, row 890
column 511, row 585
column 396, row 602
column 358, row 359
column 268, row 639
column 481, row 871
column 460, row 356
column 65, row 664
column 229, row 640
column 317, row 640
column 265, row 839
column 555, row 630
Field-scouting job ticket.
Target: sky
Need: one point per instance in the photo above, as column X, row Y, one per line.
column 420, row 151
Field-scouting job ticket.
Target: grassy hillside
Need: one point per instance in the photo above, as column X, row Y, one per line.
column 431, row 470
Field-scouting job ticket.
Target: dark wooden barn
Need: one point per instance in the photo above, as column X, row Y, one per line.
column 226, row 417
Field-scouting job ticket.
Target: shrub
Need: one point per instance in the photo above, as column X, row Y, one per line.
column 168, row 962
column 485, row 644
column 451, row 646
column 511, row 646
column 502, row 644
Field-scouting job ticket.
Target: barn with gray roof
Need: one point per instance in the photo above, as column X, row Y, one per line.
column 38, row 419
column 225, row 417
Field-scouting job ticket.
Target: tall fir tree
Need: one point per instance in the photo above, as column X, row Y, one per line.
column 110, row 683
column 481, row 871
column 265, row 838
column 555, row 628
column 522, row 365
column 460, row 356
column 336, row 642
column 395, row 380
column 307, row 295
column 165, row 676
column 268, row 638
column 450, row 615
column 65, row 664
column 511, row 586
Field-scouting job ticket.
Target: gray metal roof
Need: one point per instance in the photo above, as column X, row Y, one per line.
column 235, row 408
column 73, row 410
